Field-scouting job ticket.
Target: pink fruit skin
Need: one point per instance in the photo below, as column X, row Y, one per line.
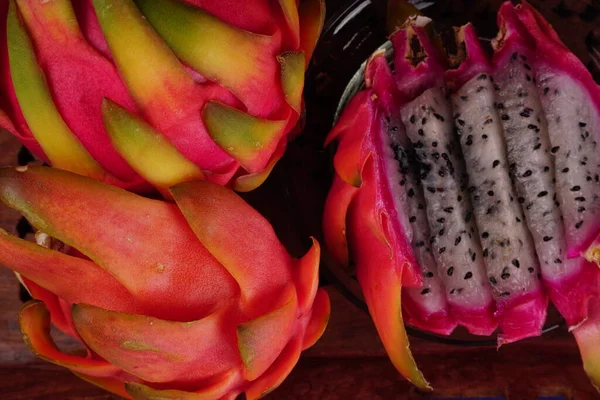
column 178, row 303
column 68, row 59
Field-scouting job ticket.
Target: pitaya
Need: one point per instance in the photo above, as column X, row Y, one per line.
column 196, row 299
column 156, row 91
column 527, row 124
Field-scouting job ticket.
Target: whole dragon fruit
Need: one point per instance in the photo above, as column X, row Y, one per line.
column 156, row 92
column 196, row 299
column 475, row 185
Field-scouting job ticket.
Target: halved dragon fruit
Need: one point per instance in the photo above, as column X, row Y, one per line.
column 484, row 177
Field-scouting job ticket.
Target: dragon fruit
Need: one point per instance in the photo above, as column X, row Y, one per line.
column 196, row 299
column 156, row 92
column 515, row 137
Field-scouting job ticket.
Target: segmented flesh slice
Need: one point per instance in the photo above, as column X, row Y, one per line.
column 454, row 237
column 529, row 156
column 574, row 132
column 508, row 250
column 427, row 306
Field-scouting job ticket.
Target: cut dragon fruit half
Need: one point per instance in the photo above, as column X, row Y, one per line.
column 491, row 177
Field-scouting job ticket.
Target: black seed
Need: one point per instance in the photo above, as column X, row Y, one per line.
column 588, row 178
column 418, row 145
column 500, row 106
column 421, row 132
column 488, row 121
column 581, row 209
column 457, row 241
column 468, row 275
column 480, row 88
column 440, row 190
column 490, row 210
column 532, row 127
column 505, row 275
column 576, row 188
column 547, row 238
column 441, row 220
column 514, row 56
column 516, row 263
column 496, row 87
column 421, row 206
column 484, row 136
column 434, row 144
column 582, row 124
column 537, row 146
column 482, row 77
column 557, row 261
column 565, row 170
column 521, row 200
column 423, row 121
column 473, row 257
column 580, row 198
column 528, row 77
column 420, row 243
column 443, row 249
column 527, row 173
column 555, row 149
column 460, row 122
column 464, row 98
column 495, row 163
column 490, row 193
column 597, row 178
column 449, row 209
column 505, row 117
column 429, row 274
column 403, row 182
column 578, row 225
column 485, row 235
column 425, row 291
column 542, row 193
column 546, row 168
column 412, row 119
column 438, row 116
column 493, row 280
column 504, row 294
column 546, row 89
column 459, row 198
column 411, row 192
column 528, row 206
column 527, row 67
column 486, row 252
column 412, row 219
column 468, row 216
column 423, row 175
column 450, row 271
column 531, row 270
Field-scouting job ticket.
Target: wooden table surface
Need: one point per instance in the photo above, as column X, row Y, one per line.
column 347, row 363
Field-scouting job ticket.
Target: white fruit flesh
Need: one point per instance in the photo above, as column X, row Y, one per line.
column 530, row 161
column 508, row 250
column 574, row 131
column 454, row 238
